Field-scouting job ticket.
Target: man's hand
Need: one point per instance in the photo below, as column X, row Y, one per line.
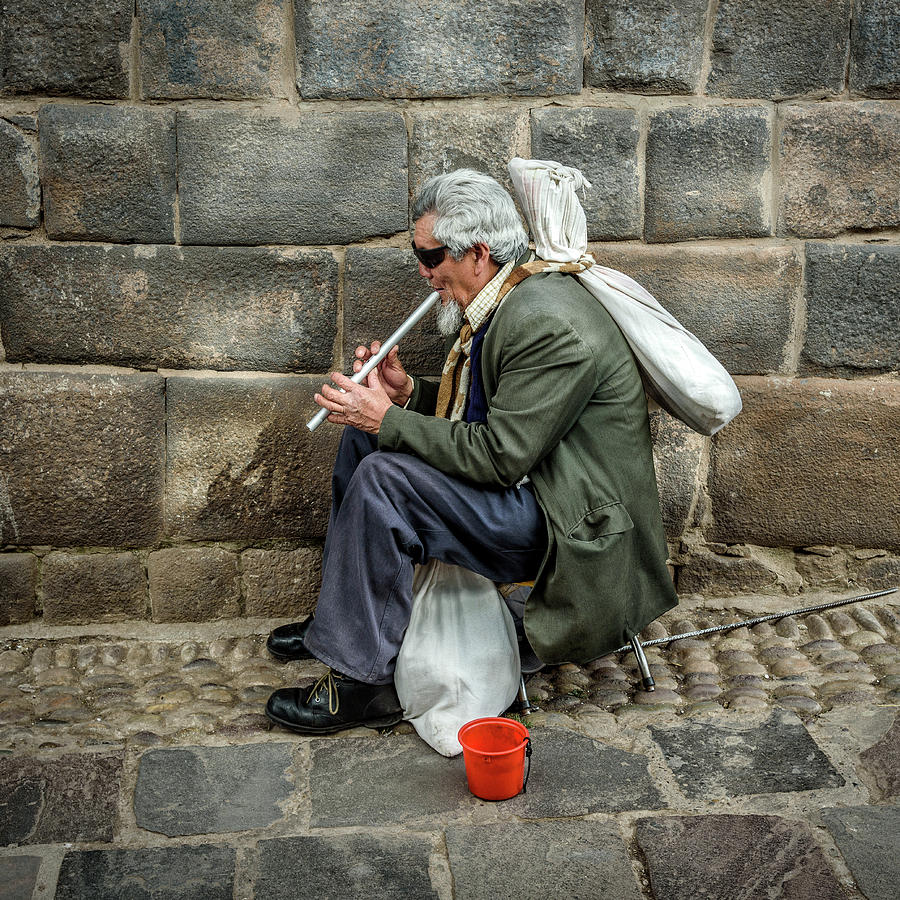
column 361, row 405
column 394, row 379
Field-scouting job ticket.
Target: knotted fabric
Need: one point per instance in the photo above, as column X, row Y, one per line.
column 456, row 375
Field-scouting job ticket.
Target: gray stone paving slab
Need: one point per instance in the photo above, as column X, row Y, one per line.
column 69, row 798
column 869, row 840
column 734, row 857
column 197, row 872
column 18, row 875
column 573, row 775
column 882, row 761
column 551, row 859
column 712, row 761
column 340, row 867
column 198, row 790
column 382, row 781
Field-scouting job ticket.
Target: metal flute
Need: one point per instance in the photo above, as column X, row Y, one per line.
column 386, row 347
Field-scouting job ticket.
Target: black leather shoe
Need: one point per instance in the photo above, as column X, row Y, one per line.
column 335, row 702
column 286, row 641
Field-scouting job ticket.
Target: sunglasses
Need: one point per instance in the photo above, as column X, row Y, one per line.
column 432, row 257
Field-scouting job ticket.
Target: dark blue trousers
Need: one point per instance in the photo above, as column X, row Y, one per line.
column 389, row 512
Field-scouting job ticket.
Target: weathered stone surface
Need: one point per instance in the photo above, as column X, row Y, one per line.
column 875, row 48
column 18, row 875
column 867, row 839
column 838, row 168
column 653, row 47
column 69, row 798
column 724, row 575
column 879, row 574
column 371, row 781
column 79, row 48
column 775, row 50
column 347, row 49
column 108, row 172
column 174, row 307
column 677, row 451
column 195, row 872
column 212, row 48
column 734, row 856
column 707, row 173
column 73, row 477
column 20, row 187
column 18, row 582
column 881, row 762
column 557, row 787
column 193, row 584
column 484, row 140
column 247, row 177
column 738, row 301
column 333, row 867
column 93, row 587
column 603, row 143
column 281, row 582
column 818, row 455
column 220, row 788
column 241, row 463
column 381, row 288
column 731, row 760
column 511, row 860
column 853, row 308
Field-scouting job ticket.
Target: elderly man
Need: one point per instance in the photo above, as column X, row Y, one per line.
column 531, row 461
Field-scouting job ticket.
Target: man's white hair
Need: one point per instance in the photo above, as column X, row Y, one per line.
column 472, row 208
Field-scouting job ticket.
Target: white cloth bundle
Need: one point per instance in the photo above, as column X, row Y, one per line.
column 679, row 373
column 459, row 659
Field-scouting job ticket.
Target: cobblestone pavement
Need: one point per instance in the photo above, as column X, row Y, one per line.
column 766, row 763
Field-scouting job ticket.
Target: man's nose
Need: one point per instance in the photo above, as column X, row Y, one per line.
column 424, row 271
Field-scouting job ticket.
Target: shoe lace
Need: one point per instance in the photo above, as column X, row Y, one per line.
column 327, row 682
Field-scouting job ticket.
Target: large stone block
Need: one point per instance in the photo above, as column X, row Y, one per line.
column 19, row 875
column 108, row 172
column 20, row 187
column 212, row 48
column 652, row 47
column 81, row 588
column 875, row 48
column 677, row 455
column 247, row 177
column 603, row 143
column 382, row 287
column 18, row 584
column 808, row 462
column 81, row 457
column 853, row 308
column 193, row 584
column 771, row 49
column 446, row 139
column 707, row 173
column 74, row 797
column 162, row 306
column 76, row 48
column 281, row 582
column 867, row 839
column 737, row 299
column 839, row 168
column 241, row 463
column 350, row 49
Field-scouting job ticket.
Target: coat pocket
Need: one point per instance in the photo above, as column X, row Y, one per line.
column 611, row 518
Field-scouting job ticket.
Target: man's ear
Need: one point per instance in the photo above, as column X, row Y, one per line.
column 482, row 257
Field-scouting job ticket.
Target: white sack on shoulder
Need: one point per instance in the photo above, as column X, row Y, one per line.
column 679, row 373
column 459, row 659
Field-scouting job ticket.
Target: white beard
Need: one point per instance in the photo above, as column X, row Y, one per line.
column 449, row 318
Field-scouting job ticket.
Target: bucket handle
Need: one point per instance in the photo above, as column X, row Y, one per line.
column 528, row 770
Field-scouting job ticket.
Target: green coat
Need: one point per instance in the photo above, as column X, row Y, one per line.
column 565, row 407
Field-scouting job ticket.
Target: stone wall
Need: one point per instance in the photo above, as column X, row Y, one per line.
column 205, row 205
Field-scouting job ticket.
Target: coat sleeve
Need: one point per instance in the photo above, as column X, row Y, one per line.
column 545, row 376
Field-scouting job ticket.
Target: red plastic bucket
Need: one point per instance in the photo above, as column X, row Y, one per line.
column 494, row 751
